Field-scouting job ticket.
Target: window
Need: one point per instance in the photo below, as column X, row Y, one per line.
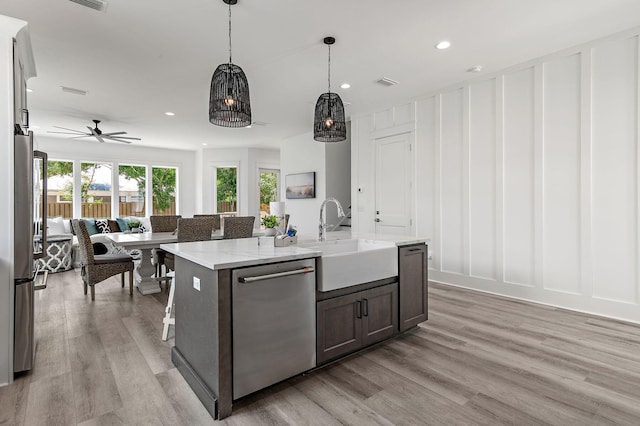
column 95, row 189
column 163, row 186
column 60, row 189
column 268, row 185
column 132, row 181
column 227, row 190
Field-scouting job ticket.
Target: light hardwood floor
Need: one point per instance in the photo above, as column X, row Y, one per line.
column 480, row 359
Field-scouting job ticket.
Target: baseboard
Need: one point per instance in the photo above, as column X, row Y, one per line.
column 202, row 391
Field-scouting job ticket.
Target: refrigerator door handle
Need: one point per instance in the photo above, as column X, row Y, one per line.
column 44, row 157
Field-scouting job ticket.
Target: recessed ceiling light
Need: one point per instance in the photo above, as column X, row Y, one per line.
column 477, row 68
column 29, row 90
column 444, row 44
column 345, row 85
column 249, row 126
column 169, row 113
column 204, row 144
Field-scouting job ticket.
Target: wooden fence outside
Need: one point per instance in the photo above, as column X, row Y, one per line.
column 103, row 210
column 227, row 206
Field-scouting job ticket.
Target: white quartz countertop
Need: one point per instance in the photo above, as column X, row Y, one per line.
column 399, row 240
column 237, row 253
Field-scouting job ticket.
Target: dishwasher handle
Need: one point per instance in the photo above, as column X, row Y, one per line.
column 248, row 280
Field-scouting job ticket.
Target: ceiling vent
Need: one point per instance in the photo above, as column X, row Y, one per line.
column 74, row 91
column 98, row 5
column 386, row 81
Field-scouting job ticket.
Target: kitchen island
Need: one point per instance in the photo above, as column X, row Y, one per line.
column 241, row 304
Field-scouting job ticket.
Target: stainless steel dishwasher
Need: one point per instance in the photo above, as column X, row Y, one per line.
column 274, row 324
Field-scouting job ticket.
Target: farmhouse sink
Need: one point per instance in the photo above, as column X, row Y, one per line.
column 349, row 262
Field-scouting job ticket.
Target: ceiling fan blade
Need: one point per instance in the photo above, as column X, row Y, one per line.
column 95, row 135
column 65, row 128
column 118, row 140
column 67, row 133
column 114, row 133
column 123, row 137
column 80, row 137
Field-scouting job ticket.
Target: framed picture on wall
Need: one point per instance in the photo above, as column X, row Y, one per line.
column 301, row 185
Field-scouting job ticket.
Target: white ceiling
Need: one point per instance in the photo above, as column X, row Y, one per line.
column 141, row 58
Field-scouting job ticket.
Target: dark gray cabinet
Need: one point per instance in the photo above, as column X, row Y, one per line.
column 350, row 322
column 412, row 285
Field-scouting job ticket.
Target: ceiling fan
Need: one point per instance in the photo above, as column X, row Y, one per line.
column 97, row 133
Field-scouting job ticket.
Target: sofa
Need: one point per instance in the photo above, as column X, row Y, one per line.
column 98, row 228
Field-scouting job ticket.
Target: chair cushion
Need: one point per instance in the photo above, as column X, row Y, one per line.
column 111, row 258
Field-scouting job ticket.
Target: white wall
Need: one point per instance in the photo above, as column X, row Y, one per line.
column 528, row 180
column 9, row 27
column 86, row 150
column 248, row 161
column 301, row 154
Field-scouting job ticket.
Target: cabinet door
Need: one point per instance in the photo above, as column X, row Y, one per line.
column 412, row 270
column 379, row 313
column 339, row 326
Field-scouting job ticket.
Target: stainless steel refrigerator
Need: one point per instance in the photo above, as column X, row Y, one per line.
column 30, row 220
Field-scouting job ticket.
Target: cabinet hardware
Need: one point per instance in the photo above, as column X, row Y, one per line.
column 358, row 309
column 366, row 307
column 306, row 270
column 377, row 211
column 415, row 249
column 378, row 219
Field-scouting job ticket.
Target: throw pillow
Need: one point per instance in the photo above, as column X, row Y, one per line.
column 55, row 226
column 113, row 226
column 122, row 224
column 91, row 226
column 103, row 226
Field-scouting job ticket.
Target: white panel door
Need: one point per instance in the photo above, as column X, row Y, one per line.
column 393, row 185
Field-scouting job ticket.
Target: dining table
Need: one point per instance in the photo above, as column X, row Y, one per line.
column 145, row 280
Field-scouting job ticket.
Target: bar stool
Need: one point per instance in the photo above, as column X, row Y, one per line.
column 167, row 320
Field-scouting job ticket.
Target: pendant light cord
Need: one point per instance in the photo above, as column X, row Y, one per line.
column 230, row 33
column 329, row 73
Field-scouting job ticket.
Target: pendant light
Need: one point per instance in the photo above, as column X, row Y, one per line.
column 329, row 124
column 229, row 104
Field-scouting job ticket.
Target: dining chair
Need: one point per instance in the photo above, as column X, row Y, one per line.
column 238, row 227
column 98, row 267
column 162, row 224
column 191, row 229
column 216, row 219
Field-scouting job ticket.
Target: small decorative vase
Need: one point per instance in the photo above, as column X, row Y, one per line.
column 270, row 232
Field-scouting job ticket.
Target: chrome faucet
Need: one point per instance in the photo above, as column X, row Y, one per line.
column 322, row 228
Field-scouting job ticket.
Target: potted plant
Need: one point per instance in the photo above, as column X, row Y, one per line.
column 134, row 226
column 270, row 222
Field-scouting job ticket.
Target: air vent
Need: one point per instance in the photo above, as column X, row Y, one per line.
column 74, row 91
column 386, row 81
column 98, row 5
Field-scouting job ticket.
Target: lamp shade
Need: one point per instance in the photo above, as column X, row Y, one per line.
column 329, row 123
column 229, row 104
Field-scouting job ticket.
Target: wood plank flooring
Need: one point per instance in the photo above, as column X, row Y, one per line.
column 479, row 360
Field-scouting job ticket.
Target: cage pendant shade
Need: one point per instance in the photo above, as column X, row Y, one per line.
column 329, row 123
column 229, row 104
